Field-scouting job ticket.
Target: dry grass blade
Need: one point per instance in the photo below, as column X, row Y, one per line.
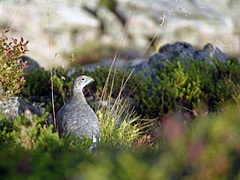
column 120, row 126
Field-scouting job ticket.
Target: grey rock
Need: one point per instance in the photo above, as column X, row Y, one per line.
column 10, row 107
column 32, row 65
column 76, row 116
column 181, row 51
column 118, row 63
column 34, row 108
column 142, row 67
column 184, row 51
column 14, row 106
column 211, row 50
column 156, row 61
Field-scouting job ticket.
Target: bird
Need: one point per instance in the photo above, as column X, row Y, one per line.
column 76, row 116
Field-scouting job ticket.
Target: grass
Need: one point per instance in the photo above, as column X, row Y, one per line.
column 120, row 126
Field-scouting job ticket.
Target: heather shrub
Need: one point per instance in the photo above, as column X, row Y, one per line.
column 11, row 65
column 189, row 86
column 205, row 147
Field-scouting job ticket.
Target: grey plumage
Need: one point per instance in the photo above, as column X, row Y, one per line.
column 76, row 116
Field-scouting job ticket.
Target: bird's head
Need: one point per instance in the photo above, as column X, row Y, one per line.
column 80, row 83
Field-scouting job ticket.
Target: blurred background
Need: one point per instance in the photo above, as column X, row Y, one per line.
column 95, row 30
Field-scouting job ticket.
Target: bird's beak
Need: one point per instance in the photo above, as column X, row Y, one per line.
column 91, row 79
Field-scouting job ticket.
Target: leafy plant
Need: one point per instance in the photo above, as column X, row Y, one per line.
column 11, row 65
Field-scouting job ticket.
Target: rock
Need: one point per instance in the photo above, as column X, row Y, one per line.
column 118, row 63
column 182, row 51
column 179, row 50
column 33, row 107
column 32, row 65
column 142, row 67
column 211, row 50
column 10, row 107
column 14, row 106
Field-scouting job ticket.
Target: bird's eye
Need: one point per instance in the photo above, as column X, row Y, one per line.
column 83, row 79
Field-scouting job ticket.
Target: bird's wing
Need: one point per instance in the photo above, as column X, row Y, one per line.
column 62, row 114
column 78, row 118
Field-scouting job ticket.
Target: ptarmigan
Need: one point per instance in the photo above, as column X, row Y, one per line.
column 76, row 116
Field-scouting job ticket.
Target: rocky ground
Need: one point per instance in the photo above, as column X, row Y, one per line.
column 55, row 28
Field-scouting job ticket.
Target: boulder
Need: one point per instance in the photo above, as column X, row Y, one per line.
column 32, row 64
column 181, row 51
column 14, row 106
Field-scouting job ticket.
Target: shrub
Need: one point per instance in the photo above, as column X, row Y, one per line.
column 42, row 91
column 29, row 145
column 11, row 65
column 186, row 86
column 189, row 85
column 205, row 148
column 62, row 84
column 194, row 86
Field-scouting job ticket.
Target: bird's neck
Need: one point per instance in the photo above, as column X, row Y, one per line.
column 79, row 96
